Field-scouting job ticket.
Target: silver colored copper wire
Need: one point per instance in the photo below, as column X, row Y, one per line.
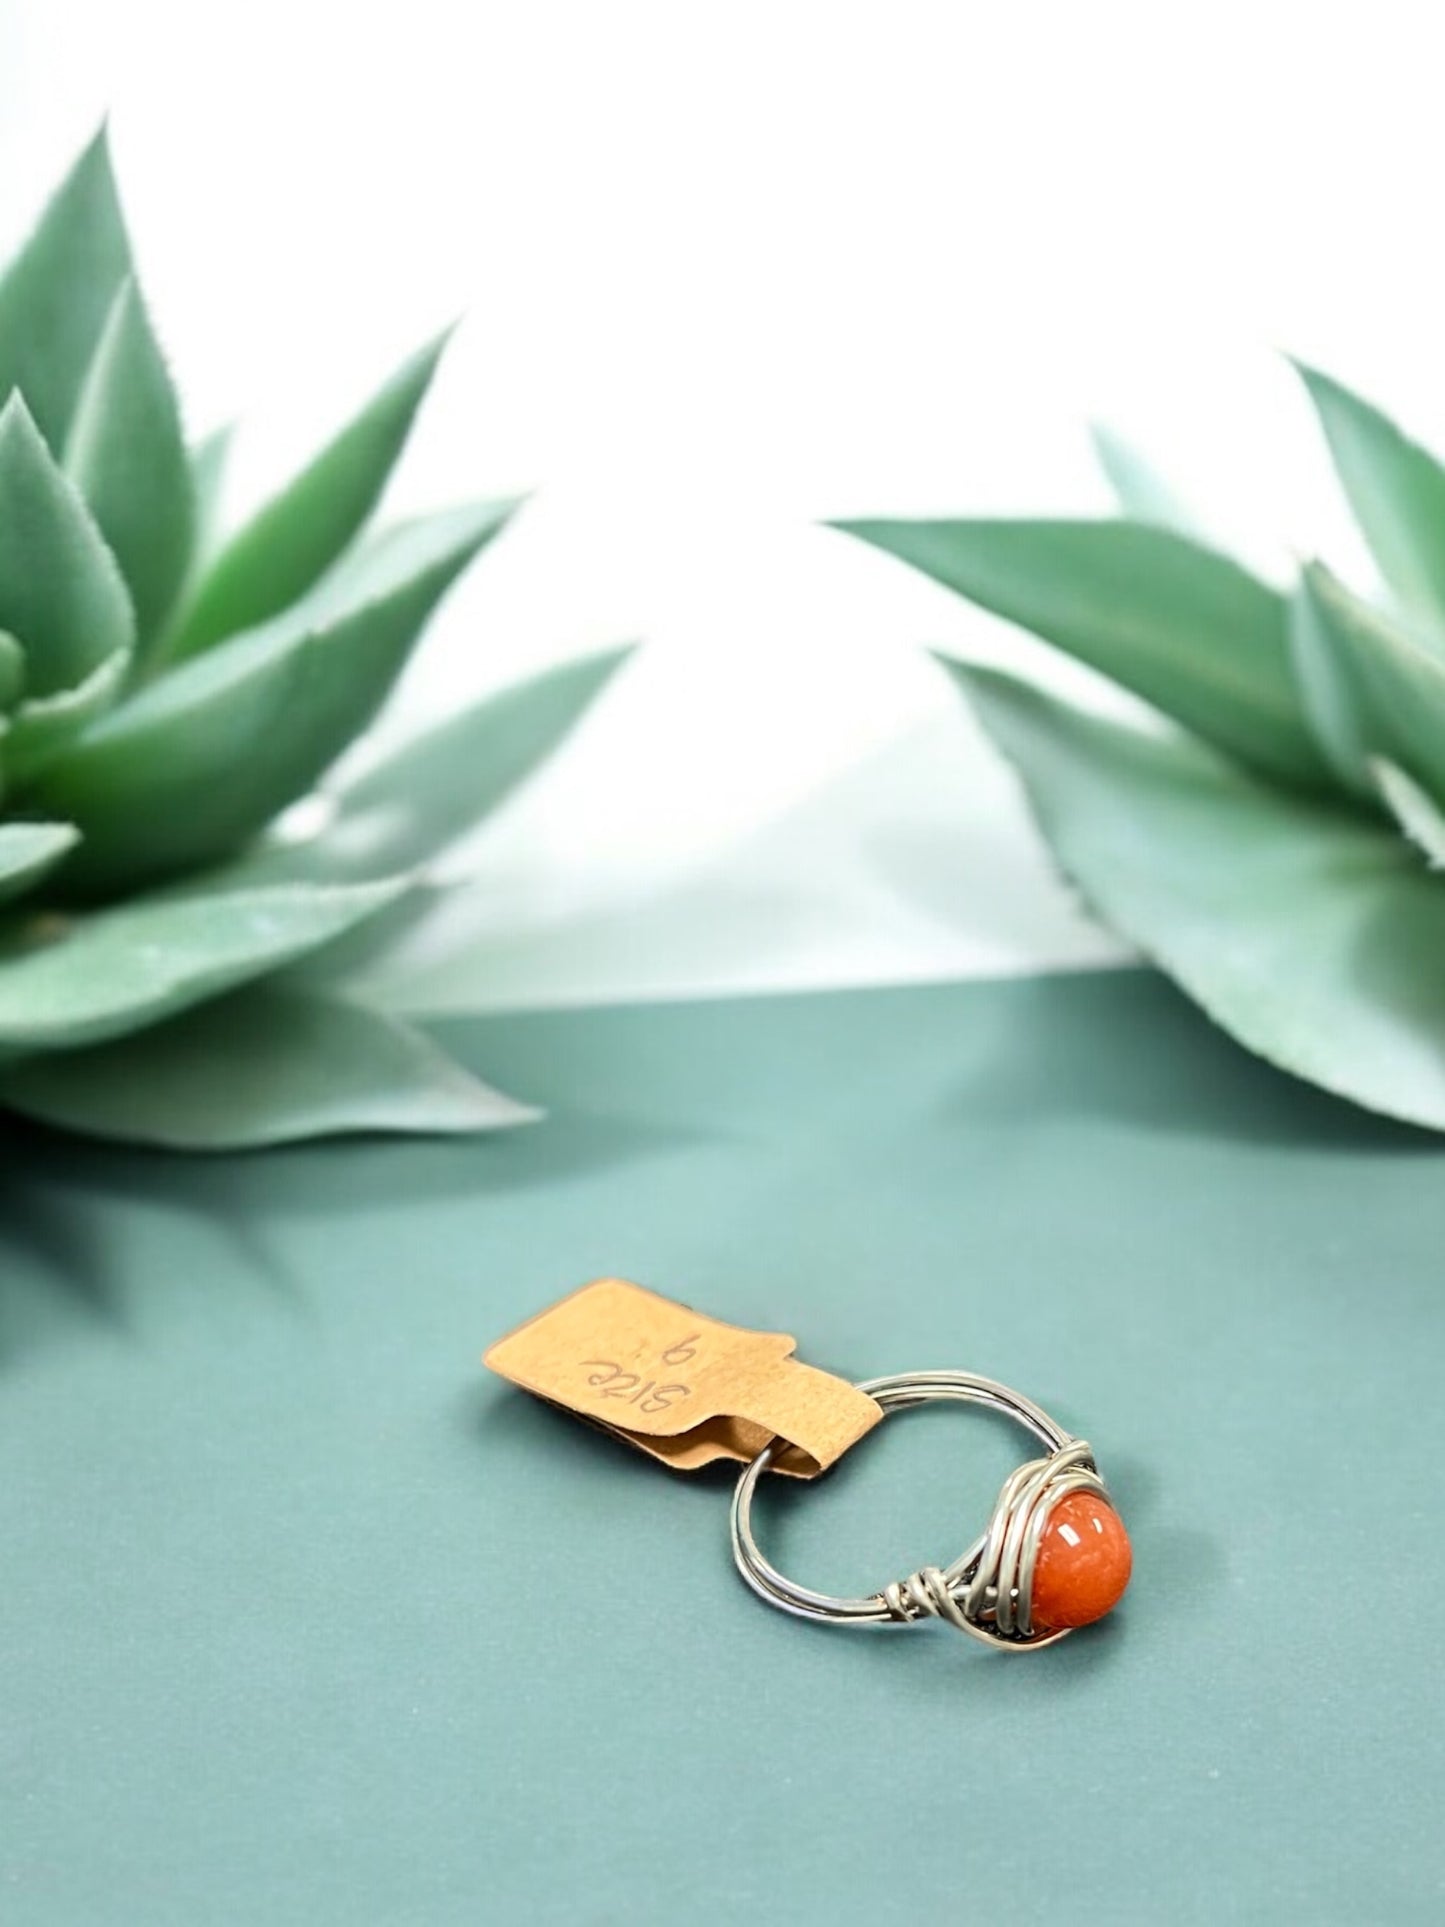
column 987, row 1590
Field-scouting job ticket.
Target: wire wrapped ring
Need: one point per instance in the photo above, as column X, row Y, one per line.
column 988, row 1592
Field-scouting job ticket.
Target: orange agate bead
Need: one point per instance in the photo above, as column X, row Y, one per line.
column 1083, row 1565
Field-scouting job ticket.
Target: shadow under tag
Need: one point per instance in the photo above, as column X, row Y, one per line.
column 683, row 1387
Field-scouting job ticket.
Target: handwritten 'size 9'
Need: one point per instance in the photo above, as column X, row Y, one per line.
column 608, row 1377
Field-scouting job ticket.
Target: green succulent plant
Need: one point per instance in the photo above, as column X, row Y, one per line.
column 1274, row 843
column 166, row 692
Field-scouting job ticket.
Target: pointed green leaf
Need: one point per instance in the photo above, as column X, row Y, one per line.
column 1329, row 689
column 1396, row 683
column 1141, row 490
column 291, row 543
column 205, row 756
column 1414, row 809
column 43, row 726
column 104, row 975
column 402, row 553
column 1310, row 934
column 262, row 1066
column 350, row 964
column 127, row 456
column 1186, row 629
column 12, row 671
column 1397, row 492
column 431, row 791
column 56, row 294
column 208, row 461
column 28, row 851
column 60, row 589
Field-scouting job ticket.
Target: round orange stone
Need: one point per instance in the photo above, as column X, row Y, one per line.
column 1083, row 1565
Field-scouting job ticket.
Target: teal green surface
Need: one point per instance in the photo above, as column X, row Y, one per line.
column 305, row 1619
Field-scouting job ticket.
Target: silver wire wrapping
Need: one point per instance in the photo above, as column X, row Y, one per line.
column 987, row 1591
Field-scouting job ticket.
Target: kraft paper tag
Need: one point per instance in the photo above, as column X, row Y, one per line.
column 685, row 1388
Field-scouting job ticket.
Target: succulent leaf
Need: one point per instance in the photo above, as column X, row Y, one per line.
column 425, row 795
column 1141, row 491
column 1393, row 680
column 1311, row 934
column 278, row 556
column 28, row 851
column 12, row 670
column 181, row 689
column 61, row 591
column 1330, row 689
column 127, row 455
column 56, row 294
column 208, row 461
column 115, row 971
column 352, row 964
column 1183, row 627
column 43, row 726
column 201, row 759
column 1414, row 809
column 390, row 558
column 431, row 791
column 1396, row 489
column 262, row 1066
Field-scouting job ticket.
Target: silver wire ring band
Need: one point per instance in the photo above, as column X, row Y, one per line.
column 986, row 1591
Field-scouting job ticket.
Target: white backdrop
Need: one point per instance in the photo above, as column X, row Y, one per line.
column 725, row 271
